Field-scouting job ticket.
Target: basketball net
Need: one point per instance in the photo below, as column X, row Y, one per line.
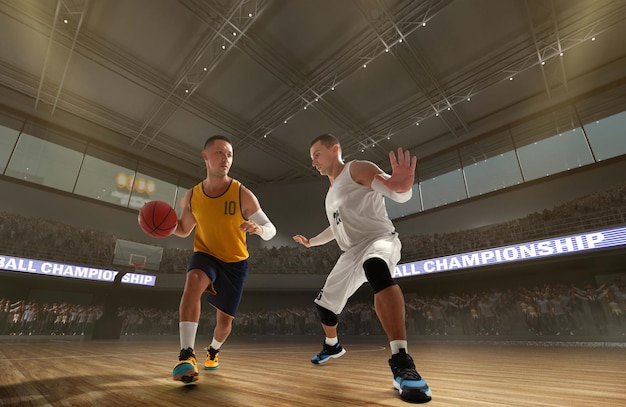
column 138, row 265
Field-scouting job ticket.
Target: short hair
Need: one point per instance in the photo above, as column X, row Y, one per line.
column 328, row 140
column 211, row 139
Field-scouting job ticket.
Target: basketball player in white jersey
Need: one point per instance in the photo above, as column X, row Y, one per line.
column 358, row 219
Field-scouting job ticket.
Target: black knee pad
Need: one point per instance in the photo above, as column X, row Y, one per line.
column 378, row 274
column 328, row 317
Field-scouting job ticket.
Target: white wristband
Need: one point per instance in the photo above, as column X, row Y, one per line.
column 400, row 197
column 261, row 219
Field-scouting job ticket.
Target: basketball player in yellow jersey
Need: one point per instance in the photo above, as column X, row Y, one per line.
column 223, row 212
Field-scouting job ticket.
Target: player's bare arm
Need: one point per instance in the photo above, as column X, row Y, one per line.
column 363, row 172
column 186, row 222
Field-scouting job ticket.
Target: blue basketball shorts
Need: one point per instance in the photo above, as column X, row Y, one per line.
column 227, row 280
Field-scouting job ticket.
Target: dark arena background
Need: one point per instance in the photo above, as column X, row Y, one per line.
column 513, row 243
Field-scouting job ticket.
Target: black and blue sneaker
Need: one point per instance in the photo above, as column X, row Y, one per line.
column 406, row 380
column 329, row 351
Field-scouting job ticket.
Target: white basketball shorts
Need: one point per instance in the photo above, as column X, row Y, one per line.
column 348, row 274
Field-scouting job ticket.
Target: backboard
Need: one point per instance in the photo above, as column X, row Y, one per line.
column 137, row 255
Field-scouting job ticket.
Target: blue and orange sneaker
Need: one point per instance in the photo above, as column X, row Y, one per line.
column 186, row 370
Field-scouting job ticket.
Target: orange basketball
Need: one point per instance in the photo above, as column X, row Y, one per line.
column 157, row 219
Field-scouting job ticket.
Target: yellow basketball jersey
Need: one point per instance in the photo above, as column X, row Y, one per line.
column 217, row 223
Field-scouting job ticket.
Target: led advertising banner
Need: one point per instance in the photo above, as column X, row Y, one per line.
column 67, row 270
column 583, row 242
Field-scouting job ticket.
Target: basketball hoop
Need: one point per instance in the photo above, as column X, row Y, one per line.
column 137, row 261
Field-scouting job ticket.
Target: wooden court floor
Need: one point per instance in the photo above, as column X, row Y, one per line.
column 70, row 371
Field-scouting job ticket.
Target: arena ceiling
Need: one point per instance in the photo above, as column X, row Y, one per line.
column 155, row 78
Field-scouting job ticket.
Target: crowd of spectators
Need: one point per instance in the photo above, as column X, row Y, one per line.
column 550, row 309
column 546, row 310
column 39, row 238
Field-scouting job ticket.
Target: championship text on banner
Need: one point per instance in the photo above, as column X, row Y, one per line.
column 602, row 239
column 67, row 270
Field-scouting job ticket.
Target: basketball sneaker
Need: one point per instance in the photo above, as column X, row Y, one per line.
column 406, row 380
column 186, row 370
column 211, row 362
column 329, row 351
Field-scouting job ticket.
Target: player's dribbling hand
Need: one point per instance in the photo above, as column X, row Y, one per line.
column 251, row 226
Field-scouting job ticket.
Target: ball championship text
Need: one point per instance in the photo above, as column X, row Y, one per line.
column 67, row 270
column 526, row 251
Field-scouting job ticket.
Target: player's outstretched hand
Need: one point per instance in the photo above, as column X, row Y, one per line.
column 402, row 171
column 302, row 240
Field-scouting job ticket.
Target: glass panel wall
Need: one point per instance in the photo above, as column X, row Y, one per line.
column 44, row 162
column 398, row 210
column 554, row 154
column 105, row 181
column 106, row 177
column 441, row 180
column 490, row 164
column 551, row 143
column 607, row 137
column 147, row 188
column 8, row 138
column 442, row 190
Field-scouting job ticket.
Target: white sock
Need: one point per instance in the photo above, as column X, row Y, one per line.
column 215, row 344
column 397, row 345
column 187, row 331
column 331, row 341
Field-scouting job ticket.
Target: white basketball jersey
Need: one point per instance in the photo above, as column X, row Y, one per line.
column 356, row 213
